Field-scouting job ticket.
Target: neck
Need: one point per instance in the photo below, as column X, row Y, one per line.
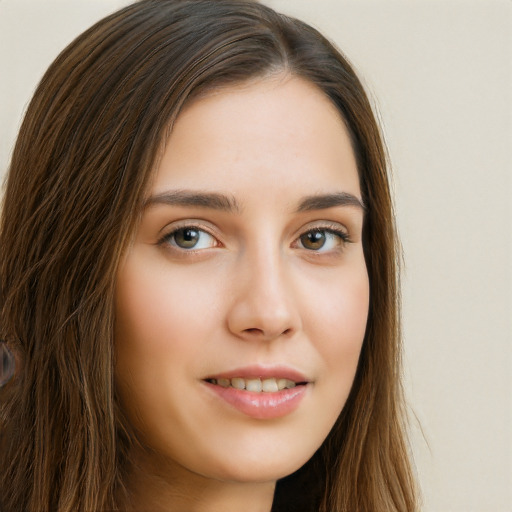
column 156, row 487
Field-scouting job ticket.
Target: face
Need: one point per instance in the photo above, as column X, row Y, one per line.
column 242, row 303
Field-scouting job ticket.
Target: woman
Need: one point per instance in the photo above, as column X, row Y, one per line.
column 198, row 275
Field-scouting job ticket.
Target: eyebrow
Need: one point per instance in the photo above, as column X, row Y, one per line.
column 210, row 200
column 222, row 202
column 324, row 201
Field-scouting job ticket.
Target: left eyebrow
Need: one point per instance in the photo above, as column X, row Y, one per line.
column 324, row 201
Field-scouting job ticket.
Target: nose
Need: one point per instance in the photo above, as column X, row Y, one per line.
column 264, row 305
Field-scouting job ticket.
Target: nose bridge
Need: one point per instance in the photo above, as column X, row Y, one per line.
column 264, row 303
column 268, row 274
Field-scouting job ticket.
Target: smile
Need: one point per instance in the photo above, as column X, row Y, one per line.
column 256, row 385
column 259, row 392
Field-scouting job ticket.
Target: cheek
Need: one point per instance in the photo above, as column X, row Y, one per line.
column 336, row 325
column 156, row 312
column 337, row 316
column 163, row 328
column 157, row 334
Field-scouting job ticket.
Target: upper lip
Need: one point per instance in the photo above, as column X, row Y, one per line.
column 262, row 372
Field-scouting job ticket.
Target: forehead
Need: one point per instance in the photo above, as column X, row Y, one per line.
column 282, row 127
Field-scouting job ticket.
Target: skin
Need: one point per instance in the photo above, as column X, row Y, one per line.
column 253, row 290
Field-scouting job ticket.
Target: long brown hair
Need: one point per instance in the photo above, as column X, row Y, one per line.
column 86, row 150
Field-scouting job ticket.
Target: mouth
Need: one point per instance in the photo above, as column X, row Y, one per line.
column 256, row 384
column 260, row 392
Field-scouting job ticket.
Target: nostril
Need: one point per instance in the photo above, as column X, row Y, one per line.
column 262, row 332
column 254, row 331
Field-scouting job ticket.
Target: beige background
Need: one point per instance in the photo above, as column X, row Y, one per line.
column 440, row 72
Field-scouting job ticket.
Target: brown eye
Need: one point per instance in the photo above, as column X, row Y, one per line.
column 313, row 240
column 190, row 237
column 186, row 238
column 323, row 240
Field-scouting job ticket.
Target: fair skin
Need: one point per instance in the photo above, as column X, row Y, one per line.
column 247, row 270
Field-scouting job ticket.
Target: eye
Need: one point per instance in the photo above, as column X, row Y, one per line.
column 190, row 238
column 322, row 239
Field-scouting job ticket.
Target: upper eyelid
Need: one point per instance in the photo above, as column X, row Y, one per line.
column 186, row 223
column 212, row 229
column 206, row 226
column 326, row 225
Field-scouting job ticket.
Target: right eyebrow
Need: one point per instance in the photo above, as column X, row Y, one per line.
column 210, row 200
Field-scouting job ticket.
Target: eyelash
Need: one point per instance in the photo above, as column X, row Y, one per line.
column 326, row 230
column 169, row 238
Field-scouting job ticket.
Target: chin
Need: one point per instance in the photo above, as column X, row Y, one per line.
column 258, row 471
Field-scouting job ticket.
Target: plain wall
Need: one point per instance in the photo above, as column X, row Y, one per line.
column 440, row 73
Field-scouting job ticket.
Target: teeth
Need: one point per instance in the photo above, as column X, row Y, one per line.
column 238, row 383
column 271, row 385
column 253, row 385
column 285, row 383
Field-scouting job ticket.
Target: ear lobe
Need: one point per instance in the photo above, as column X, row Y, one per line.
column 7, row 364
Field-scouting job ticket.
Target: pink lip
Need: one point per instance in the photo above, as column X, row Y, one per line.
column 262, row 372
column 261, row 405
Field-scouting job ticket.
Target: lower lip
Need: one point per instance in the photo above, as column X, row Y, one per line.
column 261, row 405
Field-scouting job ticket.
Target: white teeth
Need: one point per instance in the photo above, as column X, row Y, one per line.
column 238, row 383
column 271, row 385
column 253, row 385
column 285, row 383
